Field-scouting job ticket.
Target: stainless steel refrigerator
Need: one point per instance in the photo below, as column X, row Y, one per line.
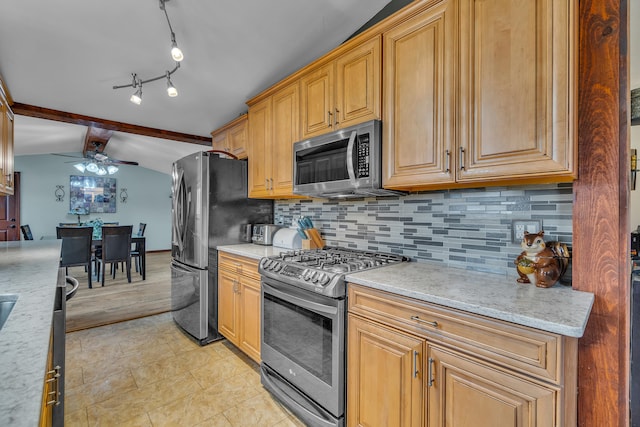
column 210, row 208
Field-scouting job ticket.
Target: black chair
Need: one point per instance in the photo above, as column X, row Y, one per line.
column 116, row 248
column 26, row 232
column 76, row 248
column 135, row 252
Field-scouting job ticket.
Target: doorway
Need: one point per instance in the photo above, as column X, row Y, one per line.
column 10, row 213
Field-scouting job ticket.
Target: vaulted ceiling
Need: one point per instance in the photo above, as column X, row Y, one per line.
column 67, row 56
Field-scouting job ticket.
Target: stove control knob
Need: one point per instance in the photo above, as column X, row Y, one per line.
column 277, row 266
column 263, row 262
column 314, row 276
column 324, row 279
column 304, row 273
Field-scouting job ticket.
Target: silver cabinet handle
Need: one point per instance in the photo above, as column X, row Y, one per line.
column 266, row 183
column 426, row 322
column 55, row 377
column 329, row 118
column 336, row 117
column 448, row 167
column 415, row 364
column 430, row 380
column 461, row 158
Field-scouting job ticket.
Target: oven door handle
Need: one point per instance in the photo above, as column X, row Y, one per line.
column 309, row 305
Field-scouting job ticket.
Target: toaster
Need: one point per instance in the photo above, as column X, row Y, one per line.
column 263, row 233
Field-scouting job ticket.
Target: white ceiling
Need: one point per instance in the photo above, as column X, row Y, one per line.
column 67, row 56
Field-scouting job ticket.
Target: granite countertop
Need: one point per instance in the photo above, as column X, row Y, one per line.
column 28, row 269
column 251, row 250
column 558, row 309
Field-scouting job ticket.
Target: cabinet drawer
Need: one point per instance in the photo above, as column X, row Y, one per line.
column 238, row 264
column 528, row 350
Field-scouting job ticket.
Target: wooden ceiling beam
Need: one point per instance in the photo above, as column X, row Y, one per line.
column 94, row 122
column 96, row 139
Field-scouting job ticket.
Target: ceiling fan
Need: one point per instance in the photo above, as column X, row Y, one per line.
column 96, row 160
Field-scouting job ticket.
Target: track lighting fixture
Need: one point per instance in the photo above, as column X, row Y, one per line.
column 171, row 90
column 177, row 56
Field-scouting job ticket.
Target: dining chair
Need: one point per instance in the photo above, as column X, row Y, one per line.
column 76, row 248
column 116, row 248
column 26, row 232
column 135, row 251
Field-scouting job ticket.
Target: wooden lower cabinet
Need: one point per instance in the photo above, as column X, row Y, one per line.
column 384, row 381
column 465, row 392
column 239, row 302
column 411, row 363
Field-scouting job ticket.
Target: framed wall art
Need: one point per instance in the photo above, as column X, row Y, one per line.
column 92, row 194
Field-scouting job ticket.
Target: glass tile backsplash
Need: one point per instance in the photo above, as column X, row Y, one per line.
column 465, row 228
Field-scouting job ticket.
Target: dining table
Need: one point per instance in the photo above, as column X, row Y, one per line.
column 141, row 241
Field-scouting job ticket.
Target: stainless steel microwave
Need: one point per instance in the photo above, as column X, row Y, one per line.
column 341, row 164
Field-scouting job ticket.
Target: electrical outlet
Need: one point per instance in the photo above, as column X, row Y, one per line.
column 519, row 226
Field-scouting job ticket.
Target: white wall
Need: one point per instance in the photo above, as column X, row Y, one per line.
column 148, row 200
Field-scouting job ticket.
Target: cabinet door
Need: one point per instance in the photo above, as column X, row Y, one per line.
column 219, row 141
column 250, row 303
column 384, row 376
column 358, row 84
column 3, row 142
column 317, row 101
column 515, row 88
column 463, row 392
column 260, row 148
column 228, row 313
column 419, row 102
column 237, row 136
column 286, row 131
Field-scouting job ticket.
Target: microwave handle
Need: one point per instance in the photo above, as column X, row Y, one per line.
column 350, row 148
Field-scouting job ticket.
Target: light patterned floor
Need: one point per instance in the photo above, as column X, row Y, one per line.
column 145, row 372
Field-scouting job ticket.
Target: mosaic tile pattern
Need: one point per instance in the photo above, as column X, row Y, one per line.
column 465, row 228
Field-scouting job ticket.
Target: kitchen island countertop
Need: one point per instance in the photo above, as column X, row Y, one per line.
column 28, row 269
column 558, row 309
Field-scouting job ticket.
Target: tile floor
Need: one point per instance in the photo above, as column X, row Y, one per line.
column 145, row 372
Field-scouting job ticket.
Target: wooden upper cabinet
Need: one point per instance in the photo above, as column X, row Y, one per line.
column 274, row 126
column 260, row 148
column 232, row 137
column 419, row 85
column 480, row 92
column 342, row 92
column 286, row 131
column 517, row 67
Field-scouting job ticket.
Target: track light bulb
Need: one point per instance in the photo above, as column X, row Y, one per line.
column 176, row 53
column 171, row 89
column 80, row 166
column 101, row 171
column 136, row 98
column 92, row 167
column 112, row 169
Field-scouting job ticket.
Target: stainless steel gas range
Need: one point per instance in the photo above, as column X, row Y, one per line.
column 303, row 328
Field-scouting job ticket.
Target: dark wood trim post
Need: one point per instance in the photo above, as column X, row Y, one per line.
column 600, row 212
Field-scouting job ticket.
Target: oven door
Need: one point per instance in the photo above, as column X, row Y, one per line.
column 303, row 340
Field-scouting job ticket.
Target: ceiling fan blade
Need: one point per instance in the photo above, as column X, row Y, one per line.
column 122, row 162
column 67, row 155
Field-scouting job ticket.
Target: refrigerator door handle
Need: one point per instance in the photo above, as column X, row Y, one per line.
column 179, row 220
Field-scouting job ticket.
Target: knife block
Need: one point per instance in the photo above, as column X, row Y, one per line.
column 313, row 241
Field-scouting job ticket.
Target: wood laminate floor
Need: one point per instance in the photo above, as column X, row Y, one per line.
column 119, row 300
column 146, row 372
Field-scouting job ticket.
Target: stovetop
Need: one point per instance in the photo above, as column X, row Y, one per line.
column 323, row 270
